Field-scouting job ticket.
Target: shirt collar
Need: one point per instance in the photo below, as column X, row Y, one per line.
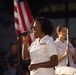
column 60, row 41
column 45, row 38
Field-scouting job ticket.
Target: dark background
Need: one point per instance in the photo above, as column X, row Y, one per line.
column 53, row 9
column 42, row 8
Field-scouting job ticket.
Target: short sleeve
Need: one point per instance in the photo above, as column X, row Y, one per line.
column 71, row 49
column 29, row 47
column 51, row 48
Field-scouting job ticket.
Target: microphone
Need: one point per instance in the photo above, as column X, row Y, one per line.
column 25, row 33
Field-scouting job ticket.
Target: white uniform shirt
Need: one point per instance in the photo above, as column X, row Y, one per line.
column 61, row 49
column 41, row 51
column 62, row 68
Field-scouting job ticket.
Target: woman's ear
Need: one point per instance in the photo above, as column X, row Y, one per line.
column 58, row 32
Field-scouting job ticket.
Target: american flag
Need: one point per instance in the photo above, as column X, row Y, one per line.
column 22, row 17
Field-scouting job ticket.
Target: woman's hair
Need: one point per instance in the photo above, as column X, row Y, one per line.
column 13, row 43
column 46, row 25
column 60, row 27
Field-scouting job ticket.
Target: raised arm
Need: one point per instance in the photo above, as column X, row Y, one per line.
column 25, row 53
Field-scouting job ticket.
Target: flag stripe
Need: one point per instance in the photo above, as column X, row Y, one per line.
column 28, row 12
column 27, row 23
column 16, row 20
column 22, row 18
column 15, row 8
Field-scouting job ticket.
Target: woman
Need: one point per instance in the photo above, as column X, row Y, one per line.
column 11, row 59
column 42, row 51
column 64, row 52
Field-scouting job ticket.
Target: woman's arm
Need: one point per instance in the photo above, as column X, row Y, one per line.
column 25, row 53
column 60, row 59
column 52, row 63
column 74, row 56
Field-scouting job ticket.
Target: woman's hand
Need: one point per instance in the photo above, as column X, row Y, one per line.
column 33, row 67
column 66, row 51
column 60, row 59
column 25, row 38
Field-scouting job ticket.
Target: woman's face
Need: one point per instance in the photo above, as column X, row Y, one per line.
column 63, row 33
column 37, row 28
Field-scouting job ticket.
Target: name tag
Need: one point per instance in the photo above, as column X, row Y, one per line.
column 43, row 43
